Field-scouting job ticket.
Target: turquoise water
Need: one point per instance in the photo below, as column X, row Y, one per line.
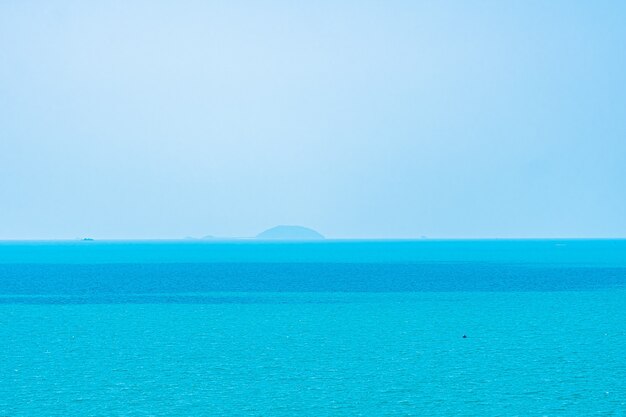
column 172, row 329
column 579, row 252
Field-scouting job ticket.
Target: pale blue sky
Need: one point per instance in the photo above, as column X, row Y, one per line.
column 155, row 119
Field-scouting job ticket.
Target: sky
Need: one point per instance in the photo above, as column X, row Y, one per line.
column 361, row 119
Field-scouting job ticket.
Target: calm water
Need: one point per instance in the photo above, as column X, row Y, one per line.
column 333, row 328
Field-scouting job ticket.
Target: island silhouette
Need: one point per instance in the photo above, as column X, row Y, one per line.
column 286, row 232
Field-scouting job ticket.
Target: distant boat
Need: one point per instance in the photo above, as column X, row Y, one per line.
column 87, row 239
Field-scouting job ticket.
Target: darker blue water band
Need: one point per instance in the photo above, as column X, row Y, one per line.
column 124, row 279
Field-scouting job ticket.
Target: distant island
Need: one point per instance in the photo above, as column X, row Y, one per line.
column 290, row 233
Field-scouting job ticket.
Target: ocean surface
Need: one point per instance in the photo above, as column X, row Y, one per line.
column 331, row 328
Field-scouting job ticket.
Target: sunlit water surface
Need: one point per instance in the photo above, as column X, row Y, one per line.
column 314, row 329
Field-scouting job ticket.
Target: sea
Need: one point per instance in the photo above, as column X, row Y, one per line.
column 329, row 328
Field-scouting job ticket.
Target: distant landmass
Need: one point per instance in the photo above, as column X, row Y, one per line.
column 290, row 233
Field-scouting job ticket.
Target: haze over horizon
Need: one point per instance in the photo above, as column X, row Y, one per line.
column 150, row 119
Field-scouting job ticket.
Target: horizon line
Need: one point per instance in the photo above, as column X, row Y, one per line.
column 321, row 240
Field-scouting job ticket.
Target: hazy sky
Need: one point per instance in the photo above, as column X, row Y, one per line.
column 165, row 119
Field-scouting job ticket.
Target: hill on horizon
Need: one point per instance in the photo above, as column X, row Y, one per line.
column 285, row 232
